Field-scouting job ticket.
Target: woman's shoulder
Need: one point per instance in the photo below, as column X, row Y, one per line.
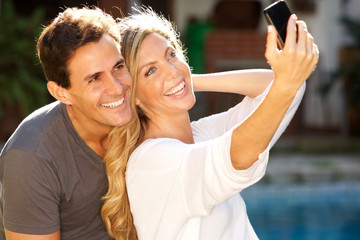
column 154, row 143
column 158, row 151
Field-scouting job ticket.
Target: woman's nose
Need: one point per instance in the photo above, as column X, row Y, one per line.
column 171, row 71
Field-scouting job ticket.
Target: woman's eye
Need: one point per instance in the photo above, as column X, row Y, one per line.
column 172, row 54
column 151, row 71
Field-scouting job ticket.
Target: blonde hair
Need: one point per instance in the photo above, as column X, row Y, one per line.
column 123, row 140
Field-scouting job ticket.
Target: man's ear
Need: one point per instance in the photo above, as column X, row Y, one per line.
column 58, row 92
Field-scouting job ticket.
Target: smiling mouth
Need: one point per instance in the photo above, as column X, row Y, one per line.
column 179, row 89
column 114, row 104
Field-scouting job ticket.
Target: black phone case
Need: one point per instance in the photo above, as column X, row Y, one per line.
column 278, row 14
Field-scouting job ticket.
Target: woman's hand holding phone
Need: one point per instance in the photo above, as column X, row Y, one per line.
column 291, row 65
column 296, row 61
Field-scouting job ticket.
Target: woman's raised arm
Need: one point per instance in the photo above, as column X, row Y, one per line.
column 291, row 66
column 250, row 82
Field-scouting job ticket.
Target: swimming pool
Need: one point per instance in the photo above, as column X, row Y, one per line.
column 306, row 211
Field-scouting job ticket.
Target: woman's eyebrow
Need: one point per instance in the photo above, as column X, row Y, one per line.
column 150, row 63
column 147, row 64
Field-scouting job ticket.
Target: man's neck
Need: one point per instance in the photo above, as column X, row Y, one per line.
column 94, row 134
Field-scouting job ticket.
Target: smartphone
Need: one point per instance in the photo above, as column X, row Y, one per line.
column 278, row 14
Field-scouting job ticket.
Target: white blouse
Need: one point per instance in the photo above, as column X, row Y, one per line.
column 190, row 191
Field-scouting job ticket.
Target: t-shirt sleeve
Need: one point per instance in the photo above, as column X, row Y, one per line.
column 198, row 176
column 209, row 177
column 30, row 194
column 289, row 115
column 220, row 179
column 217, row 124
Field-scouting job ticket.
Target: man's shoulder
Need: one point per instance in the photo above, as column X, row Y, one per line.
column 37, row 127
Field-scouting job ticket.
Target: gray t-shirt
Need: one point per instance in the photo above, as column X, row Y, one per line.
column 51, row 179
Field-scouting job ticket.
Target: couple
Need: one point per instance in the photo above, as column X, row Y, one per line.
column 182, row 179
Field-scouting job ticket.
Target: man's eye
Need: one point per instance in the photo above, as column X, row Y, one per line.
column 151, row 71
column 94, row 79
column 119, row 67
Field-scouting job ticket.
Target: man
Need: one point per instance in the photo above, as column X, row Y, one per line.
column 51, row 168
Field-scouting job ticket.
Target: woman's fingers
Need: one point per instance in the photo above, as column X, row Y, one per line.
column 295, row 62
column 302, row 41
column 315, row 54
column 271, row 43
column 291, row 32
column 302, row 44
column 310, row 44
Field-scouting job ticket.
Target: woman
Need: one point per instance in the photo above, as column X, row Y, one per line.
column 182, row 178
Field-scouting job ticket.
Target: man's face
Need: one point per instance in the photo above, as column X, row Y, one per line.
column 100, row 90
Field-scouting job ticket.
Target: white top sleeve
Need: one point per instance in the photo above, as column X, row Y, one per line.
column 191, row 179
column 217, row 124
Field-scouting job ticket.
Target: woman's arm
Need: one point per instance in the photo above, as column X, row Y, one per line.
column 249, row 82
column 291, row 66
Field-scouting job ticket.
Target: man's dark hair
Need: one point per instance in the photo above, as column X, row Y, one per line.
column 70, row 30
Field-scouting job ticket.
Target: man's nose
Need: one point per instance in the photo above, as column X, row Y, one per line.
column 113, row 84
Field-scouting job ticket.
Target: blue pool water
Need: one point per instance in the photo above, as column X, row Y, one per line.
column 308, row 211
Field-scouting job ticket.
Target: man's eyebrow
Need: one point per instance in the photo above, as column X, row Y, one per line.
column 121, row 61
column 91, row 76
column 96, row 74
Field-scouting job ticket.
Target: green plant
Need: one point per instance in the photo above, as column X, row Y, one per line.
column 22, row 82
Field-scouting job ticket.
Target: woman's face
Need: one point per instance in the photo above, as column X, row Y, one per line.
column 164, row 83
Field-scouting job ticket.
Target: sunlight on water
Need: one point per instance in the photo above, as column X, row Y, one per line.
column 308, row 211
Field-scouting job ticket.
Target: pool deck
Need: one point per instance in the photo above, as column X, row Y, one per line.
column 312, row 159
column 300, row 167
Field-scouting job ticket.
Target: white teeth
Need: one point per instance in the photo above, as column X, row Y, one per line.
column 177, row 90
column 114, row 104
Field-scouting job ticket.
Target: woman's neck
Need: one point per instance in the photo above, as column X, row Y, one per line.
column 176, row 127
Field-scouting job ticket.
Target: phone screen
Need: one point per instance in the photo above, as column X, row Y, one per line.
column 278, row 14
